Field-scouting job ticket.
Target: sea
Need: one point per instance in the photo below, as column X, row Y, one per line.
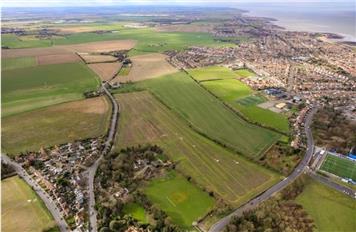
column 332, row 17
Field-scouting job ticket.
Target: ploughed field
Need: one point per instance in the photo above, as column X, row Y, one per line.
column 224, row 84
column 25, row 89
column 208, row 115
column 330, row 209
column 342, row 167
column 21, row 209
column 62, row 123
column 144, row 119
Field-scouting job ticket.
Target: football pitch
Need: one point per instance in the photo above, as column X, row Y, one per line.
column 340, row 166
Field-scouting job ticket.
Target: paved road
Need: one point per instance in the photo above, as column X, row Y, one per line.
column 50, row 204
column 219, row 226
column 92, row 170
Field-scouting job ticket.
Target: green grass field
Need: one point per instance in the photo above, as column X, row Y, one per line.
column 124, row 71
column 244, row 73
column 19, row 62
column 13, row 41
column 212, row 73
column 250, row 100
column 58, row 124
column 21, row 209
column 229, row 90
column 183, row 202
column 338, row 166
column 26, row 89
column 143, row 119
column 208, row 115
column 330, row 209
column 136, row 211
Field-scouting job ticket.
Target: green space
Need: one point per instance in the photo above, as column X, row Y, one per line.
column 66, row 122
column 208, row 115
column 212, row 73
column 19, row 62
column 240, row 96
column 136, row 211
column 144, row 119
column 182, row 201
column 339, row 166
column 244, row 72
column 13, row 41
column 22, row 209
column 124, row 71
column 29, row 88
column 330, row 209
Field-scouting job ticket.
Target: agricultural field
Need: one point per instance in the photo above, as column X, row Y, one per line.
column 330, row 209
column 13, row 41
column 342, row 167
column 182, row 201
column 57, row 59
column 212, row 73
column 208, row 115
column 19, row 62
column 53, row 125
column 90, row 58
column 146, row 67
column 105, row 71
column 30, row 88
column 21, row 209
column 143, row 119
column 240, row 96
column 137, row 212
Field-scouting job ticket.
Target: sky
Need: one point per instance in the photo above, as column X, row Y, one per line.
column 62, row 3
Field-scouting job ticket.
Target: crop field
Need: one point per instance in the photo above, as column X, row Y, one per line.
column 212, row 73
column 182, row 201
column 244, row 73
column 21, row 209
column 57, row 59
column 330, row 209
column 143, row 119
column 136, row 211
column 339, row 166
column 13, row 41
column 208, row 115
column 147, row 67
column 57, row 124
column 105, row 71
column 34, row 87
column 89, row 58
column 19, row 62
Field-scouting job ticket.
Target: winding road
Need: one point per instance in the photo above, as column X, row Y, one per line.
column 92, row 169
column 219, row 226
column 50, row 204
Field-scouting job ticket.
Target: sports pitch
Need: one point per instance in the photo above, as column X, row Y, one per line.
column 339, row 166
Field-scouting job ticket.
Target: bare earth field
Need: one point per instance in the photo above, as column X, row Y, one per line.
column 56, row 124
column 105, row 70
column 57, row 59
column 97, row 58
column 25, row 52
column 147, row 67
column 145, row 120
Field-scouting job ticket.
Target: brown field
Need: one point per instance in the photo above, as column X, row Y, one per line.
column 97, row 58
column 143, row 119
column 147, row 67
column 57, row 59
column 25, row 52
column 105, row 70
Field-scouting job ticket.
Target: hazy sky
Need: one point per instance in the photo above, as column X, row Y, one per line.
column 54, row 3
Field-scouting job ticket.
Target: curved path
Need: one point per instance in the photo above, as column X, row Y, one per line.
column 219, row 226
column 107, row 147
column 50, row 204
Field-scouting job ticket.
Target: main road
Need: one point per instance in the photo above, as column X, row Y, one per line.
column 219, row 226
column 50, row 204
column 107, row 147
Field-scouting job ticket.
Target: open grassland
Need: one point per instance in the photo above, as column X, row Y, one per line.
column 330, row 209
column 53, row 125
column 21, row 209
column 13, row 41
column 105, row 71
column 339, row 166
column 146, row 67
column 136, row 211
column 212, row 73
column 145, row 120
column 182, row 201
column 241, row 97
column 208, row 115
column 19, row 62
column 34, row 87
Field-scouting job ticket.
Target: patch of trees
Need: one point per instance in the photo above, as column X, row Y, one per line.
column 331, row 129
column 278, row 214
column 6, row 171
